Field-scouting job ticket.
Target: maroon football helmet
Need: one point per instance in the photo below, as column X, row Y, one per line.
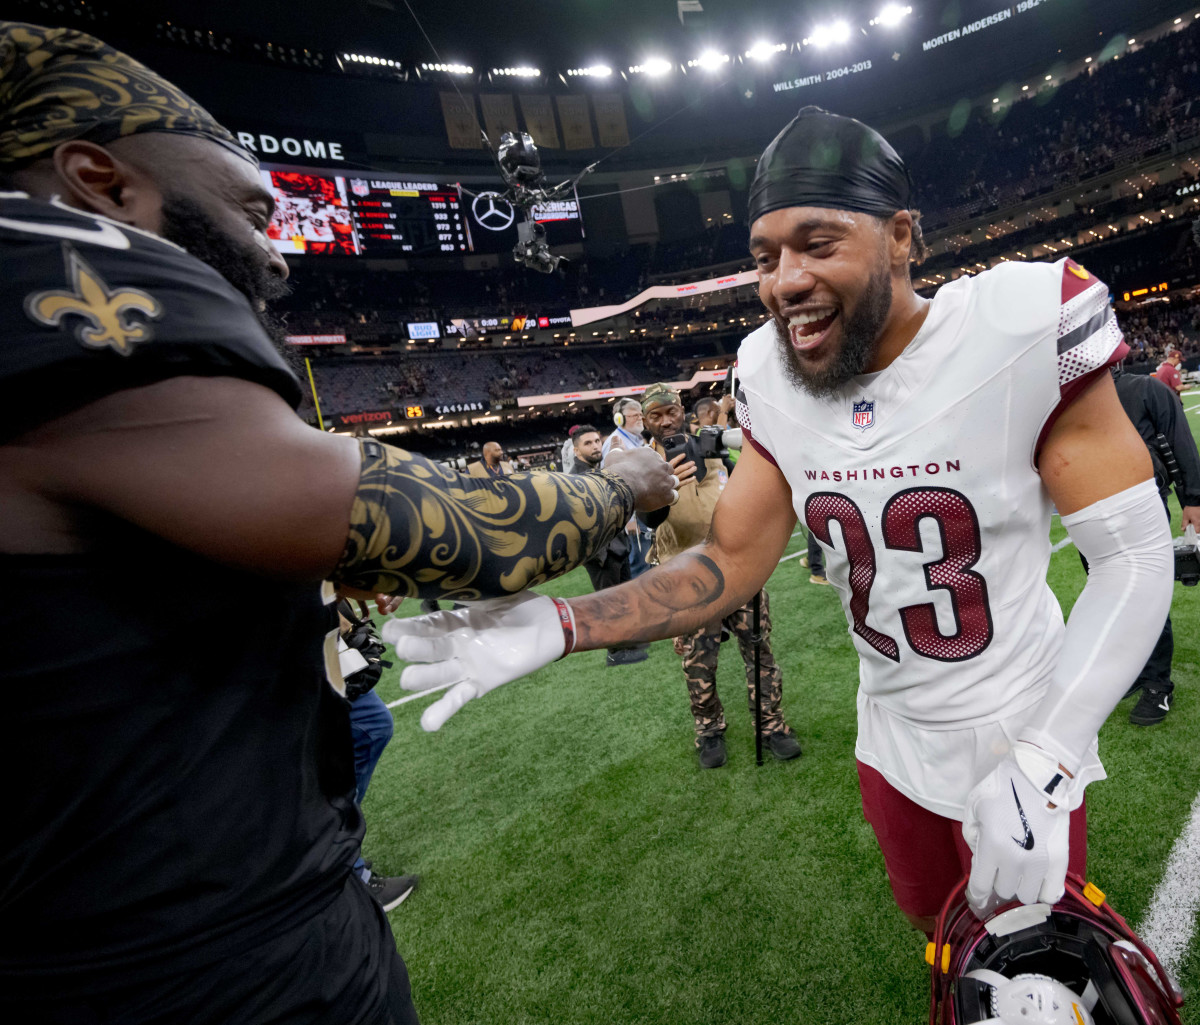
column 1110, row 976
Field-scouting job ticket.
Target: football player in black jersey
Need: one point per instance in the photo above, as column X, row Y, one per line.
column 180, row 789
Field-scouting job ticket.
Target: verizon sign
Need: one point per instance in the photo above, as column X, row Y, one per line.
column 373, row 417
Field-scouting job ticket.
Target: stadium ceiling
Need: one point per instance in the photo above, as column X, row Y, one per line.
column 566, row 34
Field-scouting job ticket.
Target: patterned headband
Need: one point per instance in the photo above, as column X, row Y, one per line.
column 58, row 84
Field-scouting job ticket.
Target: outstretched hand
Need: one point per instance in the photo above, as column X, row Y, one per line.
column 475, row 649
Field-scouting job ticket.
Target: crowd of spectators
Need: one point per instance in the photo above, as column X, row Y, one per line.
column 353, row 384
column 496, row 379
column 1120, row 111
column 1154, row 329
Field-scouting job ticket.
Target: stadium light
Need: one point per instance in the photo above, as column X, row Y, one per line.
column 595, row 71
column 449, row 69
column 891, row 15
column 825, row 35
column 709, row 60
column 653, row 67
column 523, row 71
column 765, row 51
column 360, row 58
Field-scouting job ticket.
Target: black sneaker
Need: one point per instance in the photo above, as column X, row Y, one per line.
column 390, row 891
column 1152, row 707
column 712, row 752
column 627, row 657
column 784, row 746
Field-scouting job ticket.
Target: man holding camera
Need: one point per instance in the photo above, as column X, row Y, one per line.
column 680, row 527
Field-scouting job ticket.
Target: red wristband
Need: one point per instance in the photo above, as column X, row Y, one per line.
column 566, row 619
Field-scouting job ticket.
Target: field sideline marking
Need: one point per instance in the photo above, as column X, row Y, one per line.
column 419, row 694
column 1171, row 918
column 1060, row 545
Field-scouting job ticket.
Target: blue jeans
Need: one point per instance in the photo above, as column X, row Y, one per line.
column 639, row 548
column 371, row 728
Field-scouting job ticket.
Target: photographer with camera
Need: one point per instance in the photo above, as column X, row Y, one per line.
column 681, row 526
column 1158, row 416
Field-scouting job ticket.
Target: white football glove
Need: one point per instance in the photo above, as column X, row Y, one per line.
column 1018, row 843
column 476, row 648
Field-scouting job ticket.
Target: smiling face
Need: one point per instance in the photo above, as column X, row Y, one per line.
column 825, row 276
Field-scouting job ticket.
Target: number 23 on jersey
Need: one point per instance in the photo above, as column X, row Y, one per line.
column 958, row 525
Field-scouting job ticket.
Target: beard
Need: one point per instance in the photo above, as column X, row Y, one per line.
column 860, row 333
column 191, row 227
column 592, row 461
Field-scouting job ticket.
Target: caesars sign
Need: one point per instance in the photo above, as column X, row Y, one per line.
column 287, row 145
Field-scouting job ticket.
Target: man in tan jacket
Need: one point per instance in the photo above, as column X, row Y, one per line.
column 493, row 463
column 679, row 527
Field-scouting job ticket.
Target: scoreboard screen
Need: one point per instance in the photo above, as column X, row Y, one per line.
column 332, row 215
column 323, row 213
column 421, row 218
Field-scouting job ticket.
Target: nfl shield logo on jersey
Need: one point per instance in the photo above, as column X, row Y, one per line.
column 359, row 187
column 864, row 414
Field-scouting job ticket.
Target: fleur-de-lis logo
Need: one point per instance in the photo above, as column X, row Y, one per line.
column 104, row 313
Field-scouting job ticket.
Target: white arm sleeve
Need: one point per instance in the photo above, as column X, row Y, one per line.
column 1114, row 625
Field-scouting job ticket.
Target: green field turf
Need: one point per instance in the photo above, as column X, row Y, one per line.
column 578, row 867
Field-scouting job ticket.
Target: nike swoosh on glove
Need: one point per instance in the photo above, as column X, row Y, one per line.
column 475, row 648
column 1018, row 843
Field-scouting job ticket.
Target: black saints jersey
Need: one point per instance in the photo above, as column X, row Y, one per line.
column 90, row 307
column 178, row 765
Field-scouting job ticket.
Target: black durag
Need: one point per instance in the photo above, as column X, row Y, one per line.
column 825, row 160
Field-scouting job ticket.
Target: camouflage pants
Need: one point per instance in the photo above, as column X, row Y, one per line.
column 699, row 653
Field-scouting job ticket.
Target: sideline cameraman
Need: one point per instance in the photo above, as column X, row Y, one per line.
column 1158, row 416
column 680, row 527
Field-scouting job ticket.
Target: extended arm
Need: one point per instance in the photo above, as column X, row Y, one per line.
column 1096, row 468
column 224, row 468
column 750, row 529
column 477, row 649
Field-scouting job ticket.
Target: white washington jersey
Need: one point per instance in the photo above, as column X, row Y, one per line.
column 920, row 482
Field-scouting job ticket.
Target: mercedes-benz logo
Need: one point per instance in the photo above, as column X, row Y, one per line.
column 493, row 211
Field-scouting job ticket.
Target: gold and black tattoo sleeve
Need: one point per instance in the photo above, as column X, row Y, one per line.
column 421, row 530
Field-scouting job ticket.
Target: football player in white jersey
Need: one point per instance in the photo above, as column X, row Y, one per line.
column 925, row 443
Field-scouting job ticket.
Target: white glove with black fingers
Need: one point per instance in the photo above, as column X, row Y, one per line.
column 1018, row 841
column 478, row 647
